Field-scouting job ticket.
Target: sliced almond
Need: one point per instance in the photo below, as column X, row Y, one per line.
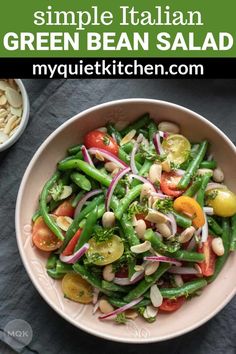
column 128, row 137
column 155, row 173
column 67, row 191
column 138, row 268
column 3, row 85
column 13, row 97
column 12, row 132
column 156, row 217
column 155, row 296
column 99, row 156
column 151, row 268
column 64, row 222
column 142, row 247
column 15, row 124
column 110, row 166
column 3, row 113
column 3, row 137
column 3, row 100
column 150, row 312
column 16, row 111
column 7, row 128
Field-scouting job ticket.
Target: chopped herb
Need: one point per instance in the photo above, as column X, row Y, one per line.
column 106, row 139
column 102, row 234
column 136, row 208
column 56, row 191
column 141, row 311
column 94, row 257
column 211, row 195
column 164, row 205
column 149, row 153
column 174, row 166
column 120, row 318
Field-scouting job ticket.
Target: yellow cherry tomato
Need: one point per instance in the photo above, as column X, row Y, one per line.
column 177, row 148
column 191, row 208
column 106, row 252
column 223, row 202
column 77, row 289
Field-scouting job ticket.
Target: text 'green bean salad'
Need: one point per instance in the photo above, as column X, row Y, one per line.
column 136, row 220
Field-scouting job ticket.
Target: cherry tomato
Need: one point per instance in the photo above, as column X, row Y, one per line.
column 171, row 305
column 177, row 148
column 101, row 140
column 65, row 209
column 208, row 266
column 169, row 182
column 142, row 217
column 106, row 252
column 43, row 237
column 77, row 289
column 223, row 202
column 190, row 207
column 122, row 273
column 69, row 250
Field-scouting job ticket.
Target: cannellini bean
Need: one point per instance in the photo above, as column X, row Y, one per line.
column 140, row 228
column 108, row 273
column 145, row 191
column 169, row 127
column 108, row 219
column 151, row 268
column 217, row 246
column 155, row 173
column 142, row 247
column 110, row 166
column 156, row 217
column 163, row 229
column 166, row 166
column 105, row 306
column 186, row 235
column 203, row 171
column 218, row 175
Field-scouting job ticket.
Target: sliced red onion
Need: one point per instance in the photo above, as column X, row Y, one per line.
column 95, row 295
column 204, row 230
column 86, row 156
column 191, row 244
column 208, row 210
column 126, row 281
column 157, row 143
column 113, row 185
column 121, row 281
column 76, row 256
column 133, row 152
column 163, row 259
column 163, row 135
column 108, row 156
column 85, row 198
column 183, row 270
column 143, row 180
column 172, row 223
column 212, row 185
column 160, row 195
column 121, row 309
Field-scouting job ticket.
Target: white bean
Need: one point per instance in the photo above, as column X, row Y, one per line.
column 140, row 228
column 218, row 175
column 156, row 217
column 110, row 166
column 155, row 173
column 169, row 127
column 108, row 273
column 145, row 191
column 105, row 306
column 186, row 235
column 217, row 246
column 108, row 219
column 163, row 229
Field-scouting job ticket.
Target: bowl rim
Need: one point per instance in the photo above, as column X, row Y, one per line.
column 17, row 223
column 24, row 118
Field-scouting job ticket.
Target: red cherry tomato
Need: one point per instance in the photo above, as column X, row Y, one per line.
column 43, row 237
column 169, row 182
column 171, row 305
column 122, row 273
column 69, row 250
column 208, row 265
column 101, row 140
column 65, row 209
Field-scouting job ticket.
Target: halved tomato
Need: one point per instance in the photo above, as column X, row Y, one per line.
column 169, row 182
column 101, row 140
column 171, row 305
column 190, row 207
column 43, row 237
column 71, row 245
column 208, row 266
column 65, row 209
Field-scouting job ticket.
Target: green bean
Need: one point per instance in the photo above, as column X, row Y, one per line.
column 87, row 169
column 182, row 220
column 128, row 230
column 201, row 193
column 127, row 200
column 81, row 181
column 51, row 261
column 126, row 158
column 113, row 131
column 107, row 285
column 43, row 206
column 184, row 290
column 187, row 256
column 120, row 303
column 192, row 190
column 128, row 147
column 53, row 204
column 143, row 132
column 220, row 261
column 77, row 198
column 75, row 224
column 233, row 234
column 138, row 124
column 216, row 228
column 146, row 283
column 157, row 244
column 90, row 278
column 73, row 150
column 114, row 202
column 145, row 168
column 36, row 215
column 152, row 130
column 63, row 268
column 79, row 156
column 208, row 164
column 193, row 166
column 88, row 229
column 54, row 274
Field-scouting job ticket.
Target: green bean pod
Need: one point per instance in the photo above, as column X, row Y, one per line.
column 201, row 193
column 208, row 164
column 157, row 244
column 77, row 198
column 81, row 181
column 51, row 261
column 128, row 230
column 233, row 234
column 73, row 150
column 121, row 303
column 138, row 124
column 113, row 131
column 184, row 290
column 192, row 190
column 216, row 228
column 127, row 200
column 107, row 285
column 182, row 220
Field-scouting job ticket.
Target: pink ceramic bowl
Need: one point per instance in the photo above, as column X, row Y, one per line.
column 195, row 312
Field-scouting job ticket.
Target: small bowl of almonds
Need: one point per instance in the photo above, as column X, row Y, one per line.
column 14, row 111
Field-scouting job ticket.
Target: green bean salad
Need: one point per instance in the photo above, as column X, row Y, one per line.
column 136, row 220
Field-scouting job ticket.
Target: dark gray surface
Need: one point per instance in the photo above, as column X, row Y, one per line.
column 53, row 102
